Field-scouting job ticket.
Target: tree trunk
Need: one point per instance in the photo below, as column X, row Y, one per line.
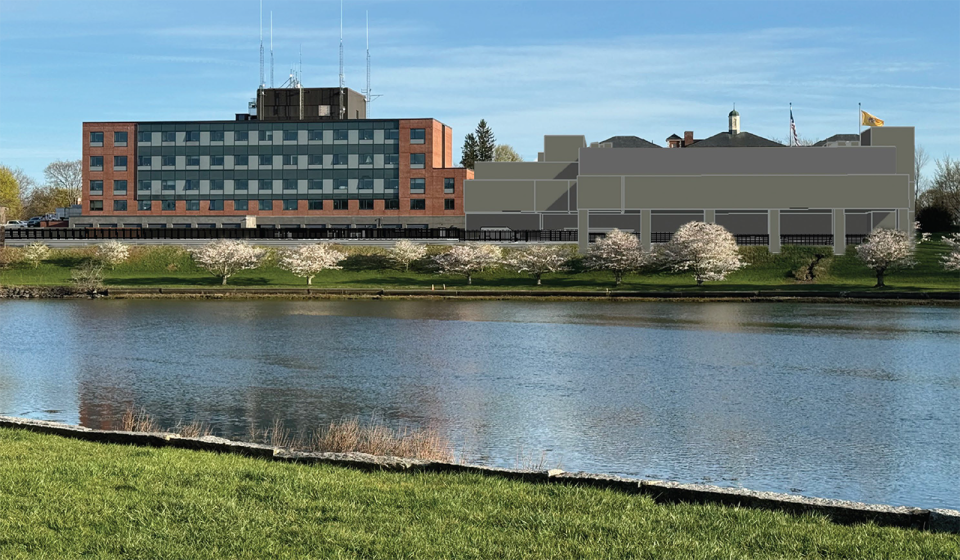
column 309, row 280
column 225, row 280
column 469, row 279
column 880, row 283
column 699, row 281
column 538, row 280
column 619, row 277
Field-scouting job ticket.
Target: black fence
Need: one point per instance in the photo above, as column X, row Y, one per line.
column 807, row 239
column 856, row 238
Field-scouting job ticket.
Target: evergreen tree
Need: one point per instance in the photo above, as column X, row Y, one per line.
column 485, row 142
column 469, row 151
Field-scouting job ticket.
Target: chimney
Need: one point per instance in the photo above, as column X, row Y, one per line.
column 687, row 138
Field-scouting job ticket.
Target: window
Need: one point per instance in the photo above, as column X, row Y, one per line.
column 340, row 204
column 341, row 135
column 289, row 135
column 216, row 136
column 266, row 184
column 340, row 184
column 241, row 136
column 365, row 183
column 266, row 160
column 315, row 135
column 119, row 162
column 449, row 184
column 96, row 205
column 392, row 184
column 265, row 204
column 266, row 136
column 315, row 205
column 448, row 204
column 316, row 159
column 144, row 136
column 418, row 204
column 391, row 159
column 216, row 205
column 289, row 159
column 241, row 160
column 96, row 187
column 418, row 135
column 191, row 185
column 241, row 205
column 191, row 136
column 289, row 205
column 417, row 161
column 216, row 184
column 193, row 206
column 391, row 204
column 96, row 162
column 168, row 205
column 216, row 161
column 119, row 205
column 193, row 161
column 143, row 185
column 340, row 159
column 120, row 138
column 289, row 184
column 169, row 161
column 315, row 184
column 144, row 205
column 119, row 187
column 96, row 138
column 366, row 135
column 366, row 159
column 366, row 205
column 240, row 184
column 391, row 134
column 168, row 185
column 169, row 136
column 417, row 185
column 143, row 161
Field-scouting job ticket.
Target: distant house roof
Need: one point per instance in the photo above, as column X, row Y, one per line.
column 739, row 140
column 629, row 142
column 839, row 138
column 674, row 137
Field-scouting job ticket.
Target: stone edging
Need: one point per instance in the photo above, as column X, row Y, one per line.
column 935, row 520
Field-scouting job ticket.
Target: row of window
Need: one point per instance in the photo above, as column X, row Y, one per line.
column 418, row 185
column 417, row 135
column 119, row 162
column 288, row 205
column 417, row 161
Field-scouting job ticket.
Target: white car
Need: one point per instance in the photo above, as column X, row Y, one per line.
column 15, row 224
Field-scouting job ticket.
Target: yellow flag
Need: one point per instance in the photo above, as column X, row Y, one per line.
column 869, row 120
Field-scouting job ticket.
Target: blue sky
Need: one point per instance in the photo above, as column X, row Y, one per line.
column 598, row 68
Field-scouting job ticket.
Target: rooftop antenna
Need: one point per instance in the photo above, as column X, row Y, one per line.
column 261, row 44
column 343, row 110
column 300, row 66
column 271, row 48
column 368, row 93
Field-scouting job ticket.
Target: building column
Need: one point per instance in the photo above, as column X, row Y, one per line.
column 710, row 216
column 773, row 218
column 839, row 231
column 904, row 221
column 645, row 230
column 583, row 231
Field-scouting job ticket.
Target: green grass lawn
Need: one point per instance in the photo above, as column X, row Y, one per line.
column 62, row 498
column 171, row 266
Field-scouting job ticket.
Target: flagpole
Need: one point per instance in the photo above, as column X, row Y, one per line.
column 790, row 131
column 859, row 120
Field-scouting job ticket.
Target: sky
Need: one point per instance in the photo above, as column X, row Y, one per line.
column 591, row 67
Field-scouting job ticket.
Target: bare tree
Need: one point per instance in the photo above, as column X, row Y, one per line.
column 505, row 152
column 920, row 160
column 65, row 175
column 944, row 188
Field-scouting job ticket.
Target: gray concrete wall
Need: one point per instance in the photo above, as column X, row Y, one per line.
column 523, row 170
column 511, row 220
column 562, row 148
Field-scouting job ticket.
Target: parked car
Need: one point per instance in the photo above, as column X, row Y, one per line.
column 34, row 221
column 15, row 224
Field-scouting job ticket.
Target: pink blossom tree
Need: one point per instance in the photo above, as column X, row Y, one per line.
column 951, row 261
column 226, row 257
column 467, row 260
column 405, row 252
column 306, row 261
column 886, row 250
column 112, row 253
column 707, row 250
column 538, row 260
column 619, row 252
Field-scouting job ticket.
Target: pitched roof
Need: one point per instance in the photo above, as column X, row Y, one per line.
column 739, row 140
column 629, row 142
column 839, row 138
column 674, row 137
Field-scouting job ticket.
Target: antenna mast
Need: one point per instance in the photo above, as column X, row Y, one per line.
column 260, row 85
column 271, row 48
column 368, row 93
column 343, row 110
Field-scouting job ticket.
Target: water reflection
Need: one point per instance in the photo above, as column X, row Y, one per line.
column 845, row 401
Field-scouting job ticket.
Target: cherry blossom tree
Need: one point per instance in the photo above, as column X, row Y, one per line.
column 226, row 257
column 951, row 261
column 619, row 252
column 36, row 252
column 538, row 260
column 707, row 250
column 405, row 252
column 306, row 261
column 112, row 253
column 886, row 250
column 467, row 260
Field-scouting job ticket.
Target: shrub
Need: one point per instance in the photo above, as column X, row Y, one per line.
column 36, row 252
column 88, row 277
column 112, row 253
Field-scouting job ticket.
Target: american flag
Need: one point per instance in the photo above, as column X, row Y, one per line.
column 793, row 130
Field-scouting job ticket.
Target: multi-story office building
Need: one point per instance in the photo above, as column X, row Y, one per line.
column 757, row 189
column 279, row 171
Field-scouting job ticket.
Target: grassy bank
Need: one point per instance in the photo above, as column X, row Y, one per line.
column 172, row 267
column 66, row 498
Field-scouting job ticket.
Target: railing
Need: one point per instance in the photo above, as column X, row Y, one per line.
column 856, row 238
column 807, row 239
column 752, row 238
column 660, row 237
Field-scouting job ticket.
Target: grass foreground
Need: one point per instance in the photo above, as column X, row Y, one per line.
column 63, row 498
column 171, row 266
